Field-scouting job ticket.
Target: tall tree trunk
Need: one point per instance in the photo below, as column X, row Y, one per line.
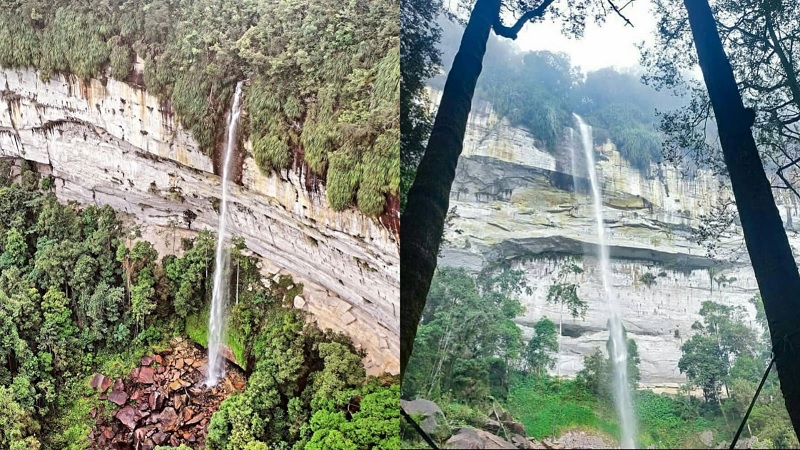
column 429, row 197
column 770, row 254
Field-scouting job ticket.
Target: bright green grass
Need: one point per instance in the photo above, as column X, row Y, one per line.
column 197, row 330
column 548, row 406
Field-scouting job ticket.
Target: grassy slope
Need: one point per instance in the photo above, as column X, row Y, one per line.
column 544, row 406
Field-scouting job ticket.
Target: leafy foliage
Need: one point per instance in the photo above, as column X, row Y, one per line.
column 305, row 69
column 544, row 341
column 467, row 341
column 708, row 355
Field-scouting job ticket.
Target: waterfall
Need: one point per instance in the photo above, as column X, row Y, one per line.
column 618, row 348
column 216, row 317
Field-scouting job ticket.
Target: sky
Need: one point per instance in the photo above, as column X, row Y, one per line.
column 610, row 44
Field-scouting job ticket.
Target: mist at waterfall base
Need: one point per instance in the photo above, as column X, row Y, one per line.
column 618, row 348
column 217, row 314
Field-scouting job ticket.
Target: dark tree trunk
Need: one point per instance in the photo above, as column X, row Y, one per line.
column 770, row 253
column 429, row 197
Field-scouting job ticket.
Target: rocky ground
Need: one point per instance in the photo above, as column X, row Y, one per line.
column 495, row 430
column 163, row 401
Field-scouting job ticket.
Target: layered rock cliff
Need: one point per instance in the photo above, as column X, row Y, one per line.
column 514, row 205
column 108, row 142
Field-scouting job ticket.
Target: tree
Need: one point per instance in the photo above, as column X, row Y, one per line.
column 419, row 59
column 18, row 428
column 565, row 293
column 773, row 263
column 720, row 339
column 598, row 371
column 543, row 342
column 467, row 338
column 15, row 252
column 428, row 198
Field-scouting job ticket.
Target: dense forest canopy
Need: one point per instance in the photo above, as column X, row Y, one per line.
column 81, row 292
column 539, row 90
column 324, row 77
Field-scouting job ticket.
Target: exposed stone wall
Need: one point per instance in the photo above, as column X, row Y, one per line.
column 514, row 203
column 107, row 142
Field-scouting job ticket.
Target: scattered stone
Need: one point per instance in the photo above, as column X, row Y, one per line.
column 155, row 408
column 299, row 302
column 580, row 439
column 472, row 438
column 707, row 438
column 177, row 384
column 515, row 427
column 128, row 416
column 197, row 418
column 433, row 421
column 118, row 397
column 168, row 419
column 145, row 375
column 179, row 400
column 101, row 382
column 159, row 438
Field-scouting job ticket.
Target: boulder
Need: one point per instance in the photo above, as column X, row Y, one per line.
column 431, row 417
column 472, row 438
column 159, row 438
column 168, row 419
column 118, row 397
column 707, row 438
column 128, row 416
column 145, row 375
column 512, row 426
column 100, row 382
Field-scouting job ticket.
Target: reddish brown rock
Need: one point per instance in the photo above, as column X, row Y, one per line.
column 159, row 438
column 179, row 400
column 168, row 419
column 197, row 418
column 147, row 360
column 195, row 391
column 100, row 382
column 118, row 397
column 135, row 396
column 118, row 385
column 145, row 375
column 159, row 359
column 179, row 363
column 128, row 416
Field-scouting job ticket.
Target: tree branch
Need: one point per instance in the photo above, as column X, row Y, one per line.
column 512, row 32
column 619, row 13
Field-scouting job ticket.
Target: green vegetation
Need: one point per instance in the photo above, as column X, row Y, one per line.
column 308, row 389
column 467, row 342
column 320, row 93
column 471, row 360
column 81, row 293
column 540, row 90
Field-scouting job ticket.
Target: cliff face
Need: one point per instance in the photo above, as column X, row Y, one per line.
column 107, row 142
column 514, row 204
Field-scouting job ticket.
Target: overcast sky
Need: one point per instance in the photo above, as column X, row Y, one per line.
column 610, row 44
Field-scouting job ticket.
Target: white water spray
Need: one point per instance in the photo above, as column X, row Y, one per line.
column 216, row 317
column 618, row 349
